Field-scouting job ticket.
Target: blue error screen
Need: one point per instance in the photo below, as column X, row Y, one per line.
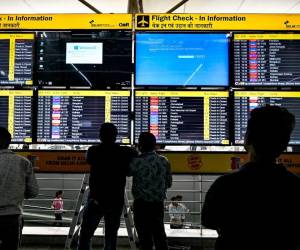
column 182, row 59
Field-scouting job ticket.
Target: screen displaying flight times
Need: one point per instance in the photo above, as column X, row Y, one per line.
column 266, row 59
column 76, row 116
column 16, row 114
column 246, row 101
column 16, row 58
column 182, row 117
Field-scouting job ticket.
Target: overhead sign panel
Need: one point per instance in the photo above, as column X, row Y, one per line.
column 65, row 21
column 210, row 21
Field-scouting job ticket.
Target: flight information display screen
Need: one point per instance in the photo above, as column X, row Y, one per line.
column 94, row 59
column 182, row 117
column 182, row 59
column 266, row 59
column 246, row 101
column 76, row 116
column 16, row 58
column 16, row 114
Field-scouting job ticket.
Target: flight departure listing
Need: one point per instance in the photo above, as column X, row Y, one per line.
column 16, row 62
column 76, row 116
column 183, row 117
column 246, row 101
column 16, row 115
column 267, row 59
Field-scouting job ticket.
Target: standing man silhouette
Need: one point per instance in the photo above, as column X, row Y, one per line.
column 257, row 207
column 109, row 167
column 152, row 177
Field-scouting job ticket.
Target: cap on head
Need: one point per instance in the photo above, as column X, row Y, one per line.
column 147, row 142
column 269, row 130
column 5, row 138
column 108, row 133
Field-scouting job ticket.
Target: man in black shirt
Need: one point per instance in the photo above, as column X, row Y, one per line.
column 258, row 207
column 109, row 166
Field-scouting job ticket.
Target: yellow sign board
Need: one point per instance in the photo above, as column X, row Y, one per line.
column 65, row 21
column 201, row 21
column 210, row 21
column 206, row 21
column 204, row 163
column 181, row 162
column 57, row 162
column 218, row 163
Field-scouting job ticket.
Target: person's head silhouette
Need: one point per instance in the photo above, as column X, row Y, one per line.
column 5, row 138
column 108, row 133
column 147, row 142
column 268, row 132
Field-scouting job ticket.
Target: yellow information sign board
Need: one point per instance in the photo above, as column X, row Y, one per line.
column 201, row 21
column 210, row 21
column 181, row 162
column 65, row 21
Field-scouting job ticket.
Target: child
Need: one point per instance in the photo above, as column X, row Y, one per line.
column 58, row 206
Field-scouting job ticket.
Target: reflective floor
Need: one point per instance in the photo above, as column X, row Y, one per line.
column 53, row 238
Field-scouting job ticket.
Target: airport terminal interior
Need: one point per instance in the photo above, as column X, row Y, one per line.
column 188, row 71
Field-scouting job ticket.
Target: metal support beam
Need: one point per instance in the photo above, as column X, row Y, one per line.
column 133, row 7
column 177, row 6
column 141, row 6
column 90, row 6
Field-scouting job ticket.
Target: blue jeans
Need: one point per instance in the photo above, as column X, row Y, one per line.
column 92, row 215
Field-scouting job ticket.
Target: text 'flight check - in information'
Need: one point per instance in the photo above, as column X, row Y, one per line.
column 16, row 62
column 76, row 116
column 267, row 59
column 183, row 117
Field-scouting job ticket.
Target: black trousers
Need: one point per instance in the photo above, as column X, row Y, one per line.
column 58, row 216
column 10, row 232
column 149, row 223
column 92, row 215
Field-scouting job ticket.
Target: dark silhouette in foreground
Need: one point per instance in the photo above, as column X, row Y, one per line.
column 257, row 207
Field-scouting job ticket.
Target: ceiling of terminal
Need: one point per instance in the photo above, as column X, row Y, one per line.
column 151, row 6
